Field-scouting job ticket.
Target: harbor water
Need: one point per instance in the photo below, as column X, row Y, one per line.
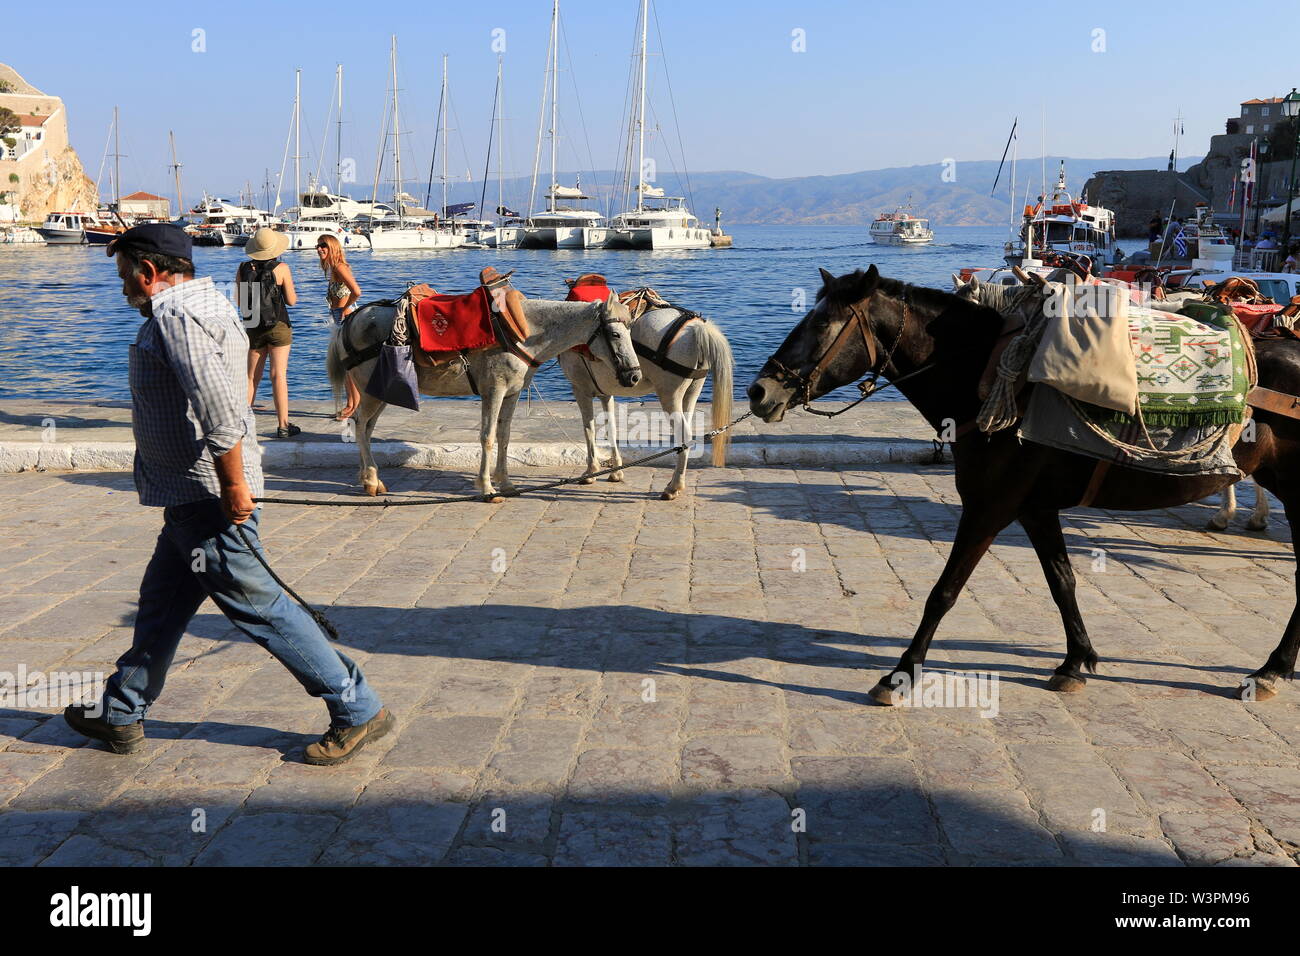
column 66, row 327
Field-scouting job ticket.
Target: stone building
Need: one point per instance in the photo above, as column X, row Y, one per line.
column 40, row 172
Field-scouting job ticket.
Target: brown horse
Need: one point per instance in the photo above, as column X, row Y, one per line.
column 934, row 347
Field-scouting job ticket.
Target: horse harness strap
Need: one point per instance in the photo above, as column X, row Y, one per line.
column 508, row 341
column 1280, row 403
column 659, row 355
column 354, row 356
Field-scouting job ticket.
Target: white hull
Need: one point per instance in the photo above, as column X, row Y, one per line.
column 892, row 240
column 660, row 237
column 21, row 236
column 567, row 237
column 62, row 237
column 415, row 239
column 305, row 239
column 507, row 237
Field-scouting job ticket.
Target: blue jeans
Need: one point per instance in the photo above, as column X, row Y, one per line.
column 199, row 555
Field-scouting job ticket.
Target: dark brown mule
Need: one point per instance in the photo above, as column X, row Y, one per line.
column 935, row 347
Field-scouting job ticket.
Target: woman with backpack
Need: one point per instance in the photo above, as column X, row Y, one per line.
column 341, row 294
column 269, row 331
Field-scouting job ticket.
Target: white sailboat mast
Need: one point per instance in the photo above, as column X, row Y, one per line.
column 397, row 139
column 640, row 123
column 541, row 113
column 555, row 96
column 501, row 188
column 176, row 170
column 338, row 136
column 445, row 106
column 117, row 165
column 297, row 142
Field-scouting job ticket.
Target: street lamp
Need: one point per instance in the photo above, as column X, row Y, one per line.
column 1291, row 110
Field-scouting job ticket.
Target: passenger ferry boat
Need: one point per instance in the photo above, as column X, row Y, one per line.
column 900, row 228
column 1064, row 224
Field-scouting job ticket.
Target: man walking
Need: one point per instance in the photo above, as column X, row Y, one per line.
column 191, row 418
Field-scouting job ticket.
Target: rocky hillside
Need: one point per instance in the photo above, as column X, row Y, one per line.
column 50, row 178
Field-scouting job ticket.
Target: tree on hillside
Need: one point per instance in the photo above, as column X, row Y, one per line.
column 9, row 124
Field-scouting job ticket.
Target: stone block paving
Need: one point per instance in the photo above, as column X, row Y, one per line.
column 594, row 676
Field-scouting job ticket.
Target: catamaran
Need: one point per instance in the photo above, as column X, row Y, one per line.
column 565, row 224
column 659, row 221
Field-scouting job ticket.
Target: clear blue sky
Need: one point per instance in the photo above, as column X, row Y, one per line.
column 880, row 84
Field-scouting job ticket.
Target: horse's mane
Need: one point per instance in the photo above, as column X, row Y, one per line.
column 846, row 289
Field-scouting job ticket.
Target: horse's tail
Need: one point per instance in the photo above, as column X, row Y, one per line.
column 716, row 351
column 334, row 364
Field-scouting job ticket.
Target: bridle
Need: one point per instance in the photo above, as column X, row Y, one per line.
column 805, row 383
column 602, row 329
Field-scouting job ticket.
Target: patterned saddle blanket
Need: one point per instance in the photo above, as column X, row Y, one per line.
column 1192, row 366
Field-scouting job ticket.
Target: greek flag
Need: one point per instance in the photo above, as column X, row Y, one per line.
column 1180, row 244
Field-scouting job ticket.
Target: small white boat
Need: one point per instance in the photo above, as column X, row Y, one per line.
column 20, row 236
column 900, row 228
column 66, row 228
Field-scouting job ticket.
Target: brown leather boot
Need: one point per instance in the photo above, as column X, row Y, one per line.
column 121, row 738
column 341, row 744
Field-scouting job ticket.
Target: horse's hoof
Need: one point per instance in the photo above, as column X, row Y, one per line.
column 616, row 476
column 883, row 694
column 373, row 490
column 586, row 480
column 1065, row 684
column 493, row 498
column 1215, row 525
column 670, row 495
column 1257, row 689
column 1253, row 525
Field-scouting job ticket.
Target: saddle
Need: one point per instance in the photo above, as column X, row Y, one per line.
column 443, row 328
column 593, row 287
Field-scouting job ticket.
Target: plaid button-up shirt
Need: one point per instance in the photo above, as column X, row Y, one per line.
column 189, row 394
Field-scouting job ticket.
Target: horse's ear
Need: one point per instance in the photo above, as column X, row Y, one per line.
column 827, row 278
column 871, row 280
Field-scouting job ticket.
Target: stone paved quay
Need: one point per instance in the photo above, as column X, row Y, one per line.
column 594, row 676
column 444, row 434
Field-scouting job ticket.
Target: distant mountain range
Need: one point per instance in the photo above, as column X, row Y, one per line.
column 847, row 199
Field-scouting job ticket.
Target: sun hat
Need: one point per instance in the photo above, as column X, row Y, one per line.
column 266, row 244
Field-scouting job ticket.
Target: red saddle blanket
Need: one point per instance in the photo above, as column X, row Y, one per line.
column 588, row 288
column 452, row 323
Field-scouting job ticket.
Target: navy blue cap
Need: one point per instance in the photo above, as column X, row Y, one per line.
column 160, row 237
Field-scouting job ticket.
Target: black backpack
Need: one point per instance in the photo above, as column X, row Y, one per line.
column 270, row 302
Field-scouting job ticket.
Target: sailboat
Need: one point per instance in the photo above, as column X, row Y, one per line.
column 659, row 221
column 564, row 225
column 111, row 223
column 399, row 231
column 304, row 230
column 504, row 233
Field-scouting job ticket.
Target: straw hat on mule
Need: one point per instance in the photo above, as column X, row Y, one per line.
column 266, row 244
